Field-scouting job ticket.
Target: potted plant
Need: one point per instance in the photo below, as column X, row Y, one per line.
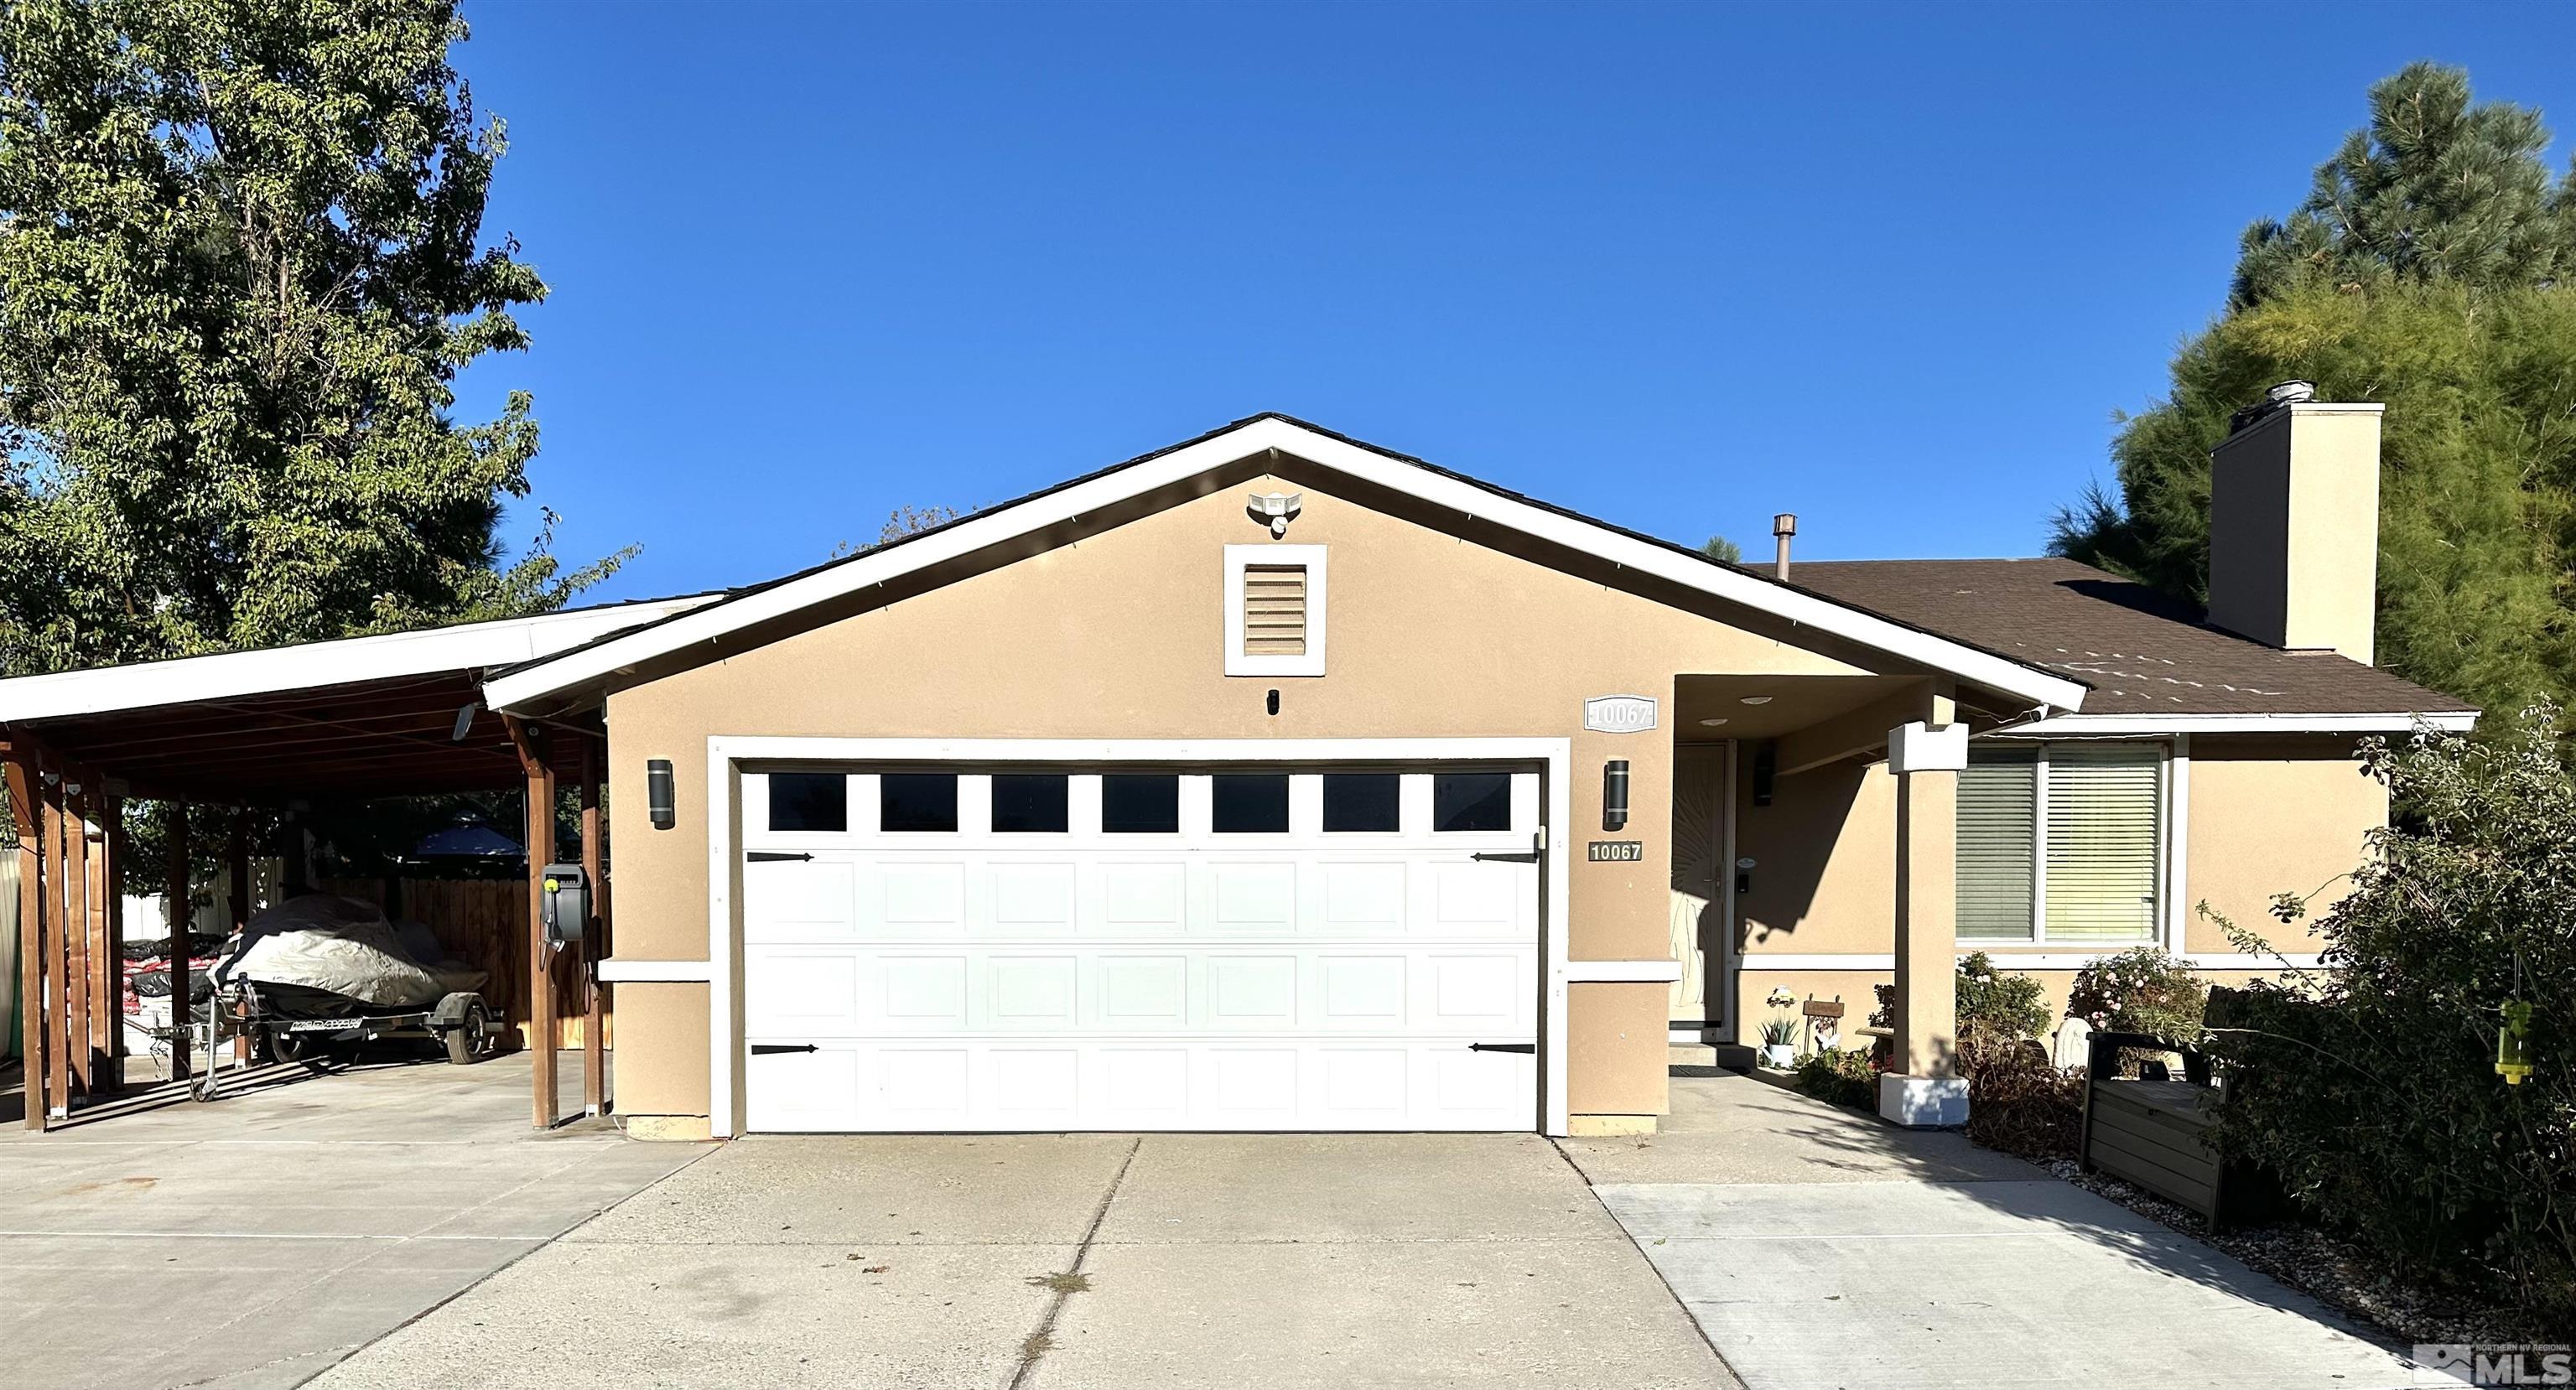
column 1780, row 1034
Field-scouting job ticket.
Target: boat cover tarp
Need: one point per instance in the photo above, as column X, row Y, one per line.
column 347, row 947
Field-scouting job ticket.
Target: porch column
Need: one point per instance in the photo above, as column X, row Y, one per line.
column 1926, row 756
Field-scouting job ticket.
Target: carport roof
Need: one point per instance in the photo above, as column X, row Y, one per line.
column 371, row 716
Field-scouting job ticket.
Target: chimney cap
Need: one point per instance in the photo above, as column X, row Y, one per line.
column 1784, row 524
column 2275, row 400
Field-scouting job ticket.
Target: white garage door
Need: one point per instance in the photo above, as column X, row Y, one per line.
column 1051, row 948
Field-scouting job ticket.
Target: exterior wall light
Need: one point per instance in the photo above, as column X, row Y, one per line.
column 1614, row 794
column 657, row 792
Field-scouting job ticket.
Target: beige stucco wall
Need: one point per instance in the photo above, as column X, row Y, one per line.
column 1119, row 635
column 2274, row 815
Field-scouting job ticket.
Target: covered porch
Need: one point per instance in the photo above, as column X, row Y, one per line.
column 1799, row 798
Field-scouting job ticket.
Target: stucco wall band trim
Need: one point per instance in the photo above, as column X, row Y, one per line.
column 724, row 937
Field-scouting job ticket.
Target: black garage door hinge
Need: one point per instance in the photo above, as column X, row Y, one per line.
column 1502, row 1047
column 764, row 1049
column 773, row 856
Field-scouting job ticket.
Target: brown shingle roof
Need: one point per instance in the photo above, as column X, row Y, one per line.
column 2142, row 652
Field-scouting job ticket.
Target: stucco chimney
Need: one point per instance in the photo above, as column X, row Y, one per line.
column 2294, row 523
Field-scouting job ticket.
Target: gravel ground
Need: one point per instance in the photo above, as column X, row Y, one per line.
column 2333, row 1271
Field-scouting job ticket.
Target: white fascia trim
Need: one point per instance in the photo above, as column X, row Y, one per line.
column 724, row 943
column 1307, row 663
column 2149, row 725
column 1623, row 972
column 2018, row 960
column 617, row 972
column 1939, row 653
column 234, row 675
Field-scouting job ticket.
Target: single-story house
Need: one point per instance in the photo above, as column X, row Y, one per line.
column 1277, row 781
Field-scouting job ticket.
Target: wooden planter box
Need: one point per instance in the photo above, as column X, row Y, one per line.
column 2153, row 1134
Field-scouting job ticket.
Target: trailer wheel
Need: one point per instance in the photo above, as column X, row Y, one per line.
column 470, row 1040
column 303, row 1048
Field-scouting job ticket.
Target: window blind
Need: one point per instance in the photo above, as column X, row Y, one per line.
column 2101, row 842
column 1998, row 844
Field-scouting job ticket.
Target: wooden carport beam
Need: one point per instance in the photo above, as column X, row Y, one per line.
column 1862, row 730
column 529, row 740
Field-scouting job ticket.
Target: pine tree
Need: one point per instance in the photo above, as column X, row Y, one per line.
column 240, row 266
column 2424, row 271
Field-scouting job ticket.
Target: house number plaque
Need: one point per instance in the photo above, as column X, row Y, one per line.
column 1614, row 851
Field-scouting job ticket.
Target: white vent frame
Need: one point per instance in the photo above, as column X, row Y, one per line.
column 1239, row 558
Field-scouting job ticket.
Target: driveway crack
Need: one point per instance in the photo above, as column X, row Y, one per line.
column 1069, row 1282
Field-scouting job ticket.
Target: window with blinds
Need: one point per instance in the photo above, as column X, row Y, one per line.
column 2101, row 841
column 2060, row 843
column 1274, row 610
column 1998, row 844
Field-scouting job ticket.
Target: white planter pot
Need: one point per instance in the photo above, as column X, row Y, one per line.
column 1781, row 1055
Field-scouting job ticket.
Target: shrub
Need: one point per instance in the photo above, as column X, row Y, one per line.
column 1997, row 1009
column 2371, row 1088
column 1832, row 1074
column 2019, row 1102
column 2141, row 990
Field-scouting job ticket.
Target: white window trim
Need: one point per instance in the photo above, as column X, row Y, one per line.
column 2172, row 772
column 1239, row 558
column 725, row 833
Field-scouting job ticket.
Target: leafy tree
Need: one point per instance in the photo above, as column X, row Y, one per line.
column 2370, row 1086
column 240, row 266
column 2423, row 272
column 1720, row 548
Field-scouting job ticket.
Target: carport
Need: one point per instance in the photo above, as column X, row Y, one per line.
column 222, row 737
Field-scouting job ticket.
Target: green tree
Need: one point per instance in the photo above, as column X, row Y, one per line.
column 241, row 263
column 1720, row 548
column 2423, row 272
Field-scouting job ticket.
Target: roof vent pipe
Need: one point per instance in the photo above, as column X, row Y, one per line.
column 1783, row 527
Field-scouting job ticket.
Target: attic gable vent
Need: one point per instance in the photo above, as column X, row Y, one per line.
column 1274, row 610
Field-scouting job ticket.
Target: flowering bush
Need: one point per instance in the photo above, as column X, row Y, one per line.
column 2141, row 990
column 2371, row 1087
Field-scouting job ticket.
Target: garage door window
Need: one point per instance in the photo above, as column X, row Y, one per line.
column 1362, row 801
column 1471, row 801
column 1249, row 803
column 809, row 801
column 917, row 801
column 1029, row 803
column 1140, row 803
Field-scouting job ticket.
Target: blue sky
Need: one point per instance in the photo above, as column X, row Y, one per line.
column 1890, row 267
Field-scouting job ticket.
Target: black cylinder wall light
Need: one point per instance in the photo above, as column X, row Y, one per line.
column 657, row 792
column 1614, row 794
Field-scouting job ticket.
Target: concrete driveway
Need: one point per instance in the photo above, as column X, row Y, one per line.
column 253, row 1241
column 1820, row 1249
column 1077, row 1261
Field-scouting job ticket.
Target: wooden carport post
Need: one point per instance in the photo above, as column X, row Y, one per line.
column 593, row 944
column 80, row 931
column 111, row 904
column 25, row 785
column 528, row 739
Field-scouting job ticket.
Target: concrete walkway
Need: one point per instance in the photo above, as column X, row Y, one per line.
column 1820, row 1249
column 1247, row 1262
column 255, row 1240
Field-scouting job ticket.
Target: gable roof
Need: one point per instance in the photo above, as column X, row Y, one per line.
column 2145, row 655
column 781, row 599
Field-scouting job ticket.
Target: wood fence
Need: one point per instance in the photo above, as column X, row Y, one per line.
column 483, row 922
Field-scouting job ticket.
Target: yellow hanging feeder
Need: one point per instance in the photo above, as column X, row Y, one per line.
column 2513, row 1042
